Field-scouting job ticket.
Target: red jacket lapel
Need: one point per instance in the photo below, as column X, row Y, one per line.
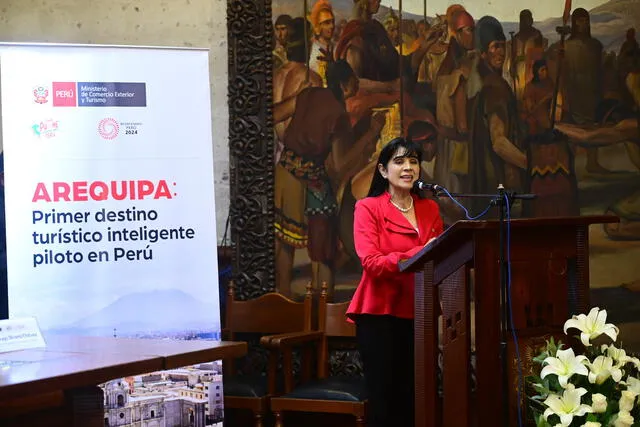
column 393, row 215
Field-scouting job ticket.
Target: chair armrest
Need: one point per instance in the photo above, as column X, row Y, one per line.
column 283, row 344
column 288, row 340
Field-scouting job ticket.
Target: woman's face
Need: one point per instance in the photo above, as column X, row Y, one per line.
column 401, row 171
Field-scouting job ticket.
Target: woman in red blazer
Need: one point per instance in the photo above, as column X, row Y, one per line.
column 391, row 224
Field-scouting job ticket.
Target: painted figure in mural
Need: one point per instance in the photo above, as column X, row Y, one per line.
column 527, row 46
column 452, row 159
column 422, row 27
column 338, row 31
column 630, row 47
column 496, row 155
column 408, row 35
column 612, row 92
column 625, row 130
column 420, row 96
column 372, row 54
column 323, row 22
column 366, row 46
column 629, row 51
column 582, row 78
column 551, row 174
column 435, row 55
column 536, row 102
column 293, row 76
column 320, row 129
column 391, row 25
column 421, row 33
column 390, row 224
column 282, row 27
column 290, row 193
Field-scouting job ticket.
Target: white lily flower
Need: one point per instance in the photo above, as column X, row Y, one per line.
column 633, row 384
column 599, row 403
column 564, row 365
column 592, row 326
column 601, row 369
column 624, row 419
column 617, row 354
column 591, row 424
column 567, row 406
column 627, row 400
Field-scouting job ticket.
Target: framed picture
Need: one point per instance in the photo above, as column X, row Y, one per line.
column 317, row 87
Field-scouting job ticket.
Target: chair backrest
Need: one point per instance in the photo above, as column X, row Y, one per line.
column 332, row 321
column 271, row 313
column 332, row 317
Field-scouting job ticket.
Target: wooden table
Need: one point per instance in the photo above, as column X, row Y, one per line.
column 175, row 354
column 57, row 385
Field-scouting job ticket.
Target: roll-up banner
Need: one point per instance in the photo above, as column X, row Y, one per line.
column 109, row 206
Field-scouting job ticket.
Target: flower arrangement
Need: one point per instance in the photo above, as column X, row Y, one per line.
column 596, row 389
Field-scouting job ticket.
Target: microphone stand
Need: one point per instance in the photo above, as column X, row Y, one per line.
column 498, row 200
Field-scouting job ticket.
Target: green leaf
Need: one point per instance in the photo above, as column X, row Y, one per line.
column 592, row 417
column 541, row 422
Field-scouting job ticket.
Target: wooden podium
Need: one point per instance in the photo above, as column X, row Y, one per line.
column 459, row 372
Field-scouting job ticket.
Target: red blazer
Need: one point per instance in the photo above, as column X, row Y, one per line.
column 383, row 237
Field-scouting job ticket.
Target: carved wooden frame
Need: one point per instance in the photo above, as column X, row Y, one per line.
column 251, row 147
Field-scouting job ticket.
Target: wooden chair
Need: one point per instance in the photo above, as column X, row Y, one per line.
column 271, row 313
column 326, row 394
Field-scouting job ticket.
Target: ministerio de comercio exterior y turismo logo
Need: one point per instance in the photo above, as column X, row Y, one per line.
column 92, row 94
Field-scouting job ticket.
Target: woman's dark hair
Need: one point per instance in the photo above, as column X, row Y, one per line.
column 338, row 73
column 379, row 184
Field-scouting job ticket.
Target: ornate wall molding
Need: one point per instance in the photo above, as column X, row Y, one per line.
column 251, row 146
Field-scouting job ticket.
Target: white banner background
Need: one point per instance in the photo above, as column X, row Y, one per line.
column 173, row 294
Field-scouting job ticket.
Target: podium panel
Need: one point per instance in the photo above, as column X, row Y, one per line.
column 467, row 376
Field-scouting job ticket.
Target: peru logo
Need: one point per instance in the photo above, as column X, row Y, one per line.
column 64, row 94
column 41, row 95
column 108, row 128
column 46, row 128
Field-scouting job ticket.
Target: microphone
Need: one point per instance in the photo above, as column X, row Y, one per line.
column 421, row 185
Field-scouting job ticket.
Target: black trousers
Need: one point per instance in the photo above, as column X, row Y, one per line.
column 387, row 351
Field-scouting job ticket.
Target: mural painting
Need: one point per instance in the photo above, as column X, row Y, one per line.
column 544, row 101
